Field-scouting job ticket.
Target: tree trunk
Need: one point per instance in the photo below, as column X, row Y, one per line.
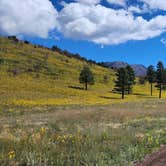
column 86, row 86
column 151, row 89
column 122, row 93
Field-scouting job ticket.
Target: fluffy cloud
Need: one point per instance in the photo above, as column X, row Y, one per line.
column 139, row 10
column 105, row 25
column 81, row 20
column 156, row 4
column 27, row 17
column 118, row 2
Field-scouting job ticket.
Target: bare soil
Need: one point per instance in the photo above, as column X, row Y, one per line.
column 157, row 158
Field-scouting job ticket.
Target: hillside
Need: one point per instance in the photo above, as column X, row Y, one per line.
column 31, row 75
column 36, row 76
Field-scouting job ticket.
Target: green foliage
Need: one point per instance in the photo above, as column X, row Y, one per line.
column 121, row 84
column 125, row 80
column 86, row 77
column 164, row 79
column 151, row 74
column 160, row 77
column 151, row 77
column 131, row 78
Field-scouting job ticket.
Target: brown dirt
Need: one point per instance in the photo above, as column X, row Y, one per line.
column 157, row 158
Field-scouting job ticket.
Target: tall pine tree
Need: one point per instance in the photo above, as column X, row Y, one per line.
column 151, row 77
column 159, row 77
column 121, row 84
column 131, row 78
column 164, row 79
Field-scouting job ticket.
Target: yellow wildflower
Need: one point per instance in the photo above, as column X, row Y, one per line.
column 11, row 154
column 43, row 130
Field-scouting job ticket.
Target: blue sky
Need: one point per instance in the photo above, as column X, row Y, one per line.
column 102, row 30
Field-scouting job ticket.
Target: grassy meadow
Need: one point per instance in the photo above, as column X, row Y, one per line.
column 48, row 119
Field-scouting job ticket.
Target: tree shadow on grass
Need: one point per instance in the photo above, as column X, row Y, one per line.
column 76, row 87
column 106, row 97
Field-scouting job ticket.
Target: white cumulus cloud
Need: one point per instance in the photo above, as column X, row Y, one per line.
column 156, row 4
column 104, row 25
column 86, row 20
column 27, row 17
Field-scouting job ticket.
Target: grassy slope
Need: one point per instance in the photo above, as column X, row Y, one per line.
column 57, row 74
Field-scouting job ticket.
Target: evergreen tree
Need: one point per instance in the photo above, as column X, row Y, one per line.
column 151, row 77
column 121, row 84
column 131, row 78
column 86, row 77
column 159, row 77
column 164, row 79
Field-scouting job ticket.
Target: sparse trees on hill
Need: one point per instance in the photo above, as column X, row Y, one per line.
column 121, row 84
column 151, row 77
column 86, row 77
column 160, row 77
column 131, row 78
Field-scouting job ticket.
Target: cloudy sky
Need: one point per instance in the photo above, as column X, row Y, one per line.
column 103, row 30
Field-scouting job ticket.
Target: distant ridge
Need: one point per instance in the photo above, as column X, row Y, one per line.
column 140, row 70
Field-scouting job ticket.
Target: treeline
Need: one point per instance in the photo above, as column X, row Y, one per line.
column 157, row 77
column 57, row 49
column 126, row 79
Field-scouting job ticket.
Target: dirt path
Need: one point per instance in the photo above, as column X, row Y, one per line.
column 157, row 158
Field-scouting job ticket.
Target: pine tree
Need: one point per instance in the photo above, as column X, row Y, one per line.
column 164, row 79
column 86, row 77
column 159, row 77
column 151, row 77
column 131, row 78
column 121, row 84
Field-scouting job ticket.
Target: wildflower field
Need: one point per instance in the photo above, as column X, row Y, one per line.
column 48, row 119
column 119, row 134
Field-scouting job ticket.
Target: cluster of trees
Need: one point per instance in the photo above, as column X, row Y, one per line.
column 157, row 77
column 126, row 79
column 71, row 55
column 124, row 83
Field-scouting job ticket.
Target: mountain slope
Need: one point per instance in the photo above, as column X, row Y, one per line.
column 32, row 75
column 140, row 70
column 37, row 77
